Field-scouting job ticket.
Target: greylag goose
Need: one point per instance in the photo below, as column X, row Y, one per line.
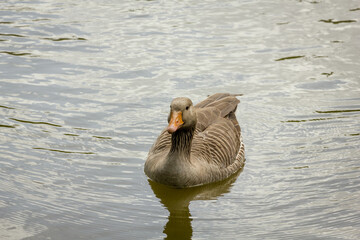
column 201, row 144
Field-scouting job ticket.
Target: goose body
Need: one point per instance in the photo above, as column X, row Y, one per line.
column 201, row 144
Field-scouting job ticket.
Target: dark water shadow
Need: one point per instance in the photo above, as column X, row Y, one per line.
column 177, row 202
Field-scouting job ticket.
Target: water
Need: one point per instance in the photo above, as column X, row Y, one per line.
column 85, row 89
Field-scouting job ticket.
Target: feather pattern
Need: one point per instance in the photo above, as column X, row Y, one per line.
column 208, row 151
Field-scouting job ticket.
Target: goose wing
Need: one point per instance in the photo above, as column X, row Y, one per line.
column 219, row 105
column 217, row 138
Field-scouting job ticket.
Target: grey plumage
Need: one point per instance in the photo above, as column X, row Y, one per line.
column 206, row 148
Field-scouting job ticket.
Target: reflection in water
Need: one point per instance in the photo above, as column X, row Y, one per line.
column 84, row 90
column 336, row 22
column 16, row 53
column 177, row 202
column 33, row 122
column 65, row 39
column 287, row 58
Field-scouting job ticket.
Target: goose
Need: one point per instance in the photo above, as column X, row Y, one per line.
column 202, row 143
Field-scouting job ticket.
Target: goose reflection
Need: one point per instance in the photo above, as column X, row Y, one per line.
column 177, row 202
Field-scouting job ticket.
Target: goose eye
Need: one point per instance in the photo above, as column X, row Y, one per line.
column 187, row 108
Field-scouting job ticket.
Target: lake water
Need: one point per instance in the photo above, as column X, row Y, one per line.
column 85, row 88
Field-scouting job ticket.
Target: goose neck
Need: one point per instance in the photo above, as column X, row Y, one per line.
column 181, row 142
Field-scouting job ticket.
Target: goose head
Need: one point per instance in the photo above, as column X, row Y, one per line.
column 182, row 115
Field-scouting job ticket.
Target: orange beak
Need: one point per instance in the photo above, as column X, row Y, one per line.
column 175, row 122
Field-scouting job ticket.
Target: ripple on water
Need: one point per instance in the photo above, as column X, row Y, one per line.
column 85, row 90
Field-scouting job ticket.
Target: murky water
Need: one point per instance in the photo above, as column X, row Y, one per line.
column 85, row 88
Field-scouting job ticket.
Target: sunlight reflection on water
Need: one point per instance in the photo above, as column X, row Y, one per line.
column 85, row 90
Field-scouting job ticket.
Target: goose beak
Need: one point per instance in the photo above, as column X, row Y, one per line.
column 175, row 121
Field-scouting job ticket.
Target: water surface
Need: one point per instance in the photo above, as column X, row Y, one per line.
column 85, row 89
